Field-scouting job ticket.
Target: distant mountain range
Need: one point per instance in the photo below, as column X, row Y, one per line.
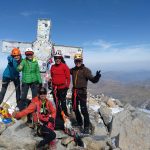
column 127, row 76
column 129, row 87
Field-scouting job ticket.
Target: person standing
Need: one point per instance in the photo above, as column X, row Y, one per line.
column 31, row 77
column 80, row 76
column 60, row 78
column 11, row 74
column 44, row 115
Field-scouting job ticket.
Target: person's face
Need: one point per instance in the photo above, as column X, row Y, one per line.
column 57, row 59
column 17, row 57
column 29, row 56
column 78, row 62
column 42, row 96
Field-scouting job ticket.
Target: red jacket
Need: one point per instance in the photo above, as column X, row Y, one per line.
column 35, row 107
column 60, row 76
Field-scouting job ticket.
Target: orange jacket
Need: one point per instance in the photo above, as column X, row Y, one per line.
column 35, row 107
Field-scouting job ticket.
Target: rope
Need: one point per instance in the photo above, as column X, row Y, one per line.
column 75, row 96
column 75, row 91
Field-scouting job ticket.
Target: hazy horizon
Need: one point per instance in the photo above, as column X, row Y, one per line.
column 114, row 34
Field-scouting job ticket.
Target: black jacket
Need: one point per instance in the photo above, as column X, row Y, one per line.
column 81, row 75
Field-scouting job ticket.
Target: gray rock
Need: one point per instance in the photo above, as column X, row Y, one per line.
column 129, row 107
column 17, row 136
column 133, row 128
column 105, row 113
column 2, row 127
column 118, row 103
column 92, row 144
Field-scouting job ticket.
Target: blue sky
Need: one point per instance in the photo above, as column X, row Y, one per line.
column 115, row 34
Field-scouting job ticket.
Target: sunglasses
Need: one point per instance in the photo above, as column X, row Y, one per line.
column 42, row 93
column 78, row 61
column 29, row 54
column 57, row 57
column 16, row 55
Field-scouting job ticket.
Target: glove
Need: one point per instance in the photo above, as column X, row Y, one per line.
column 98, row 74
column 51, row 119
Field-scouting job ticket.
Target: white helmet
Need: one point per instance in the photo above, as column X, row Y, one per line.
column 58, row 53
column 29, row 51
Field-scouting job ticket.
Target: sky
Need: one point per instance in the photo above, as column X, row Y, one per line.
column 114, row 34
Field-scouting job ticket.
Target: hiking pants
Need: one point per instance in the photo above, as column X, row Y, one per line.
column 60, row 102
column 81, row 100
column 5, row 83
column 25, row 87
column 59, row 124
column 48, row 136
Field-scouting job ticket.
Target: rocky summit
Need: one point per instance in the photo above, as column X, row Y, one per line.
column 115, row 127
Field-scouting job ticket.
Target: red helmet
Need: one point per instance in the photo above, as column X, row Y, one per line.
column 15, row 52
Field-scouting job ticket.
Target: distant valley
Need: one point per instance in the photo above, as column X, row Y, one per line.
column 129, row 87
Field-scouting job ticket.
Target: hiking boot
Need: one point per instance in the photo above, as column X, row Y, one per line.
column 78, row 140
column 52, row 145
column 38, row 147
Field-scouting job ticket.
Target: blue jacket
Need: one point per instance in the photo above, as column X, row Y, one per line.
column 11, row 69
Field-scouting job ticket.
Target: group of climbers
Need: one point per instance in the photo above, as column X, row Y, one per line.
column 43, row 112
column 30, row 75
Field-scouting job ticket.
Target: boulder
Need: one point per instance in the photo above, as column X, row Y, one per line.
column 92, row 144
column 105, row 113
column 17, row 136
column 132, row 129
column 111, row 103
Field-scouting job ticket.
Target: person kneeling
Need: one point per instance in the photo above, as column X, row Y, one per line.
column 44, row 115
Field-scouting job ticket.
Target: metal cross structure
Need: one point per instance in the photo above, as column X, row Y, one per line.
column 43, row 47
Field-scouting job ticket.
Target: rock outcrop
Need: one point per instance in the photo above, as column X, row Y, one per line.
column 132, row 127
column 116, row 127
column 17, row 137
